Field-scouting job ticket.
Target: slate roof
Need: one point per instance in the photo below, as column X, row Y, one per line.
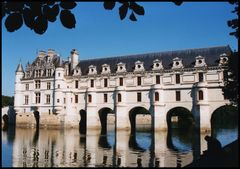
column 211, row 55
column 19, row 68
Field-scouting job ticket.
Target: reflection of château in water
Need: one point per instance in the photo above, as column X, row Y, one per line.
column 154, row 83
column 56, row 148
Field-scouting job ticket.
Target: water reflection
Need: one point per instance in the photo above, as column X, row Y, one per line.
column 69, row 148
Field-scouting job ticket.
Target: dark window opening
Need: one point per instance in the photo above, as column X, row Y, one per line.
column 105, row 98
column 178, row 96
column 200, row 95
column 105, row 82
column 119, row 97
column 120, row 81
column 89, row 98
column 139, row 80
column 92, row 83
column 139, row 97
column 177, row 78
column 157, row 79
column 200, row 76
column 156, row 96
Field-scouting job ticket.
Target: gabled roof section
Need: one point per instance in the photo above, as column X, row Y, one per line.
column 211, row 55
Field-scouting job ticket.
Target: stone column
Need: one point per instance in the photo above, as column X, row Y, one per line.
column 160, row 119
column 122, row 117
column 93, row 121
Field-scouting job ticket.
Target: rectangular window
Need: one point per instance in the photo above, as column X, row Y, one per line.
column 177, row 78
column 76, row 98
column 120, row 81
column 48, row 98
column 64, row 100
column 89, row 98
column 38, row 98
column 139, row 81
column 49, row 72
column 200, row 77
column 92, row 83
column 76, row 84
column 26, row 99
column 59, row 74
column 48, row 85
column 105, row 82
column 37, row 73
column 37, row 84
column 58, row 100
column 27, row 86
column 105, row 98
column 59, row 86
column 157, row 79
column 119, row 97
column 139, row 97
column 178, row 96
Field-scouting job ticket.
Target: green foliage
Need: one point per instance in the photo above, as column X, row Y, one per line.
column 234, row 22
column 7, row 101
column 231, row 84
column 226, row 116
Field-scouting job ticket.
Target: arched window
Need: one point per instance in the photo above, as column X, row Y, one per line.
column 156, row 96
column 200, row 95
column 119, row 97
column 89, row 98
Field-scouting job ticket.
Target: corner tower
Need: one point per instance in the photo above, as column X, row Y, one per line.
column 18, row 98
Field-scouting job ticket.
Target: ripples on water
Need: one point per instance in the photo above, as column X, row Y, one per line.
column 68, row 148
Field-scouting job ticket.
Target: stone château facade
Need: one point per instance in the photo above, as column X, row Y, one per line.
column 62, row 91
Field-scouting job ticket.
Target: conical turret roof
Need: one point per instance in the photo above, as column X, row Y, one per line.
column 19, row 68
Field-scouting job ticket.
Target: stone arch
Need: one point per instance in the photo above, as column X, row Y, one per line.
column 132, row 116
column 103, row 112
column 184, row 117
column 83, row 121
column 224, row 116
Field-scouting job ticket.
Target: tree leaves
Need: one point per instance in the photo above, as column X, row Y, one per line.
column 37, row 14
column 109, row 5
column 132, row 17
column 178, row 3
column 123, row 10
column 28, row 18
column 68, row 5
column 51, row 13
column 40, row 24
column 67, row 19
column 13, row 22
column 137, row 8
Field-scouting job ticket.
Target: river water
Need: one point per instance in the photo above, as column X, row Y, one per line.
column 23, row 147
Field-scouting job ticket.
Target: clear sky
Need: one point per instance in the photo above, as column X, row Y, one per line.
column 101, row 33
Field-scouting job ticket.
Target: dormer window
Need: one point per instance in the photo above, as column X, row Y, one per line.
column 92, row 70
column 139, row 66
column 77, row 71
column 106, row 69
column 177, row 63
column 200, row 61
column 223, row 59
column 157, row 65
column 121, row 67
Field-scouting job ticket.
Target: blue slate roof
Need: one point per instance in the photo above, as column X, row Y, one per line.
column 211, row 55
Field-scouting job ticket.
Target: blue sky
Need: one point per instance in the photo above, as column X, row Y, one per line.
column 101, row 33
